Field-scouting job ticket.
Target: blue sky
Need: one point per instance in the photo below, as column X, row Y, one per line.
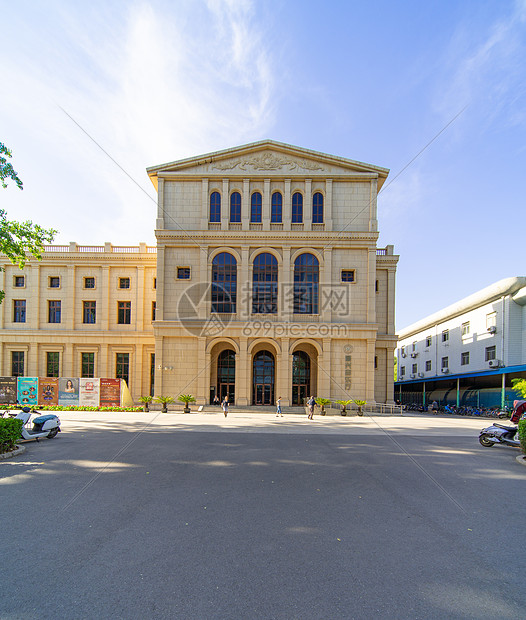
column 374, row 81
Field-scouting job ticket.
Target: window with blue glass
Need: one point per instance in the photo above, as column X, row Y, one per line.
column 235, row 208
column 224, row 283
column 255, row 208
column 215, row 207
column 306, row 284
column 276, row 208
column 297, row 208
column 265, row 284
column 317, row 208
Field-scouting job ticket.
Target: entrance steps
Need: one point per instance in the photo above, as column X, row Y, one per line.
column 252, row 409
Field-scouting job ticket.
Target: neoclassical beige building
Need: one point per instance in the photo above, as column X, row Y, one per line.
column 266, row 281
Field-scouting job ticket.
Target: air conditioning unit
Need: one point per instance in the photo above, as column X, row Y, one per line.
column 420, row 374
column 445, row 370
column 495, row 363
column 414, row 354
column 412, row 376
column 492, row 329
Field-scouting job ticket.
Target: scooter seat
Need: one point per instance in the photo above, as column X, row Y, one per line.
column 43, row 418
column 506, row 428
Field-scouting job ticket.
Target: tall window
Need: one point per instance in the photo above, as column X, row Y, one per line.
column 306, row 279
column 445, row 335
column 297, row 208
column 17, row 363
column 19, row 310
column 89, row 312
column 54, row 311
column 491, row 353
column 464, row 358
column 224, row 283
column 122, row 367
column 317, row 208
column 265, row 284
column 124, row 312
column 465, row 329
column 276, row 216
column 235, row 208
column 215, row 207
column 255, row 208
column 445, row 363
column 87, row 366
column 52, row 363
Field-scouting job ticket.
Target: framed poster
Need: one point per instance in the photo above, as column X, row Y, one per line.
column 27, row 391
column 68, row 391
column 89, row 392
column 110, row 392
column 7, row 390
column 47, row 391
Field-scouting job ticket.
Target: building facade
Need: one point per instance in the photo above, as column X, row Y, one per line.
column 468, row 352
column 266, row 281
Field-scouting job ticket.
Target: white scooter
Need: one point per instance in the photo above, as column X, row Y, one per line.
column 47, row 425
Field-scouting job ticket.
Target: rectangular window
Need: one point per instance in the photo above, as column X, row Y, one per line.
column 17, row 363
column 19, row 310
column 445, row 335
column 124, row 312
column 377, row 286
column 122, row 367
column 402, row 371
column 491, row 353
column 464, row 358
column 414, row 369
column 89, row 312
column 402, row 351
column 52, row 363
column 465, row 328
column 428, row 365
column 87, row 366
column 376, row 361
column 54, row 311
column 428, row 341
column 445, row 363
column 347, row 275
column 154, row 306
column 89, row 282
column 491, row 320
column 155, row 283
column 414, row 346
column 54, row 282
column 183, row 273
column 124, row 282
column 20, row 281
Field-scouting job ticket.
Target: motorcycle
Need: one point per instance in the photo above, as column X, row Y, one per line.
column 43, row 426
column 498, row 433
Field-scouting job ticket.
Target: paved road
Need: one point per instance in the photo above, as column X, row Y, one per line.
column 198, row 517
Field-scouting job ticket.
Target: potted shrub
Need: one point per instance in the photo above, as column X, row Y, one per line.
column 146, row 400
column 359, row 404
column 322, row 403
column 186, row 398
column 343, row 405
column 165, row 401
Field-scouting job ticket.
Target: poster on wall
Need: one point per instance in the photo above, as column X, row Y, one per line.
column 47, row 391
column 89, row 392
column 68, row 391
column 27, row 391
column 7, row 390
column 110, row 392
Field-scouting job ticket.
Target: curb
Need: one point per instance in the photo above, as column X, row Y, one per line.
column 9, row 455
column 521, row 459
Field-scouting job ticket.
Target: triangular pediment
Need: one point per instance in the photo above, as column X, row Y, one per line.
column 263, row 159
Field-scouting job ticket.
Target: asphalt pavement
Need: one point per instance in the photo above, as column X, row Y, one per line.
column 197, row 516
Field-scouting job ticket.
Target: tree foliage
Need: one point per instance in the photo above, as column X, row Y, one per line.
column 18, row 240
column 519, row 386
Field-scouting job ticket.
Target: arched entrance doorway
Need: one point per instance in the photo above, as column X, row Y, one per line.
column 263, row 371
column 226, row 375
column 301, row 389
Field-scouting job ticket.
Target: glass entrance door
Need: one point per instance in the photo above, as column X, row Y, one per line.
column 263, row 379
column 226, row 375
column 300, row 377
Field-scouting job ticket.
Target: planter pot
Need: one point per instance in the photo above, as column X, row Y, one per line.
column 146, row 408
column 322, row 411
column 164, row 409
column 186, row 410
column 359, row 412
column 343, row 411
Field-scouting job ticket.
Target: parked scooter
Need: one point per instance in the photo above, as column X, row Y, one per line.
column 47, row 425
column 498, row 433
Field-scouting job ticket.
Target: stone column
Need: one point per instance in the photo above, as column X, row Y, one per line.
column 327, row 296
column 205, row 216
column 287, row 207
column 159, row 223
column 104, row 367
column 139, row 300
column 389, row 370
column 70, row 298
column 245, row 205
column 159, row 292
column 284, row 369
column 203, row 364
column 158, row 386
column 324, row 369
column 225, row 207
column 307, row 205
column 105, row 295
column 243, row 374
column 369, row 371
column 327, row 205
column 266, row 205
column 244, row 287
column 371, row 285
column 286, row 286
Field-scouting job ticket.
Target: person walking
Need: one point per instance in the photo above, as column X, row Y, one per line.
column 311, row 402
column 278, row 407
column 224, row 404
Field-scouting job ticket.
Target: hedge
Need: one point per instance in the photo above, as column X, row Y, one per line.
column 522, row 434
column 72, row 408
column 10, row 433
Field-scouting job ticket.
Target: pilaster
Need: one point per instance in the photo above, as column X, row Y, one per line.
column 287, row 206
column 327, row 211
column 159, row 224
column 205, row 216
column 266, row 205
column 245, row 205
column 225, row 216
column 243, row 374
column 307, row 205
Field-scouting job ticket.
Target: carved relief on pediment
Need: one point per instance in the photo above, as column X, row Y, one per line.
column 267, row 161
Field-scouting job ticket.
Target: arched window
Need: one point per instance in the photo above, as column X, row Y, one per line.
column 276, row 207
column 317, row 208
column 255, row 208
column 215, row 207
column 297, row 208
column 306, row 279
column 224, row 283
column 235, row 208
column 265, row 284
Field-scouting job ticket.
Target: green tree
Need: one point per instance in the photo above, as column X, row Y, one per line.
column 519, row 386
column 18, row 240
